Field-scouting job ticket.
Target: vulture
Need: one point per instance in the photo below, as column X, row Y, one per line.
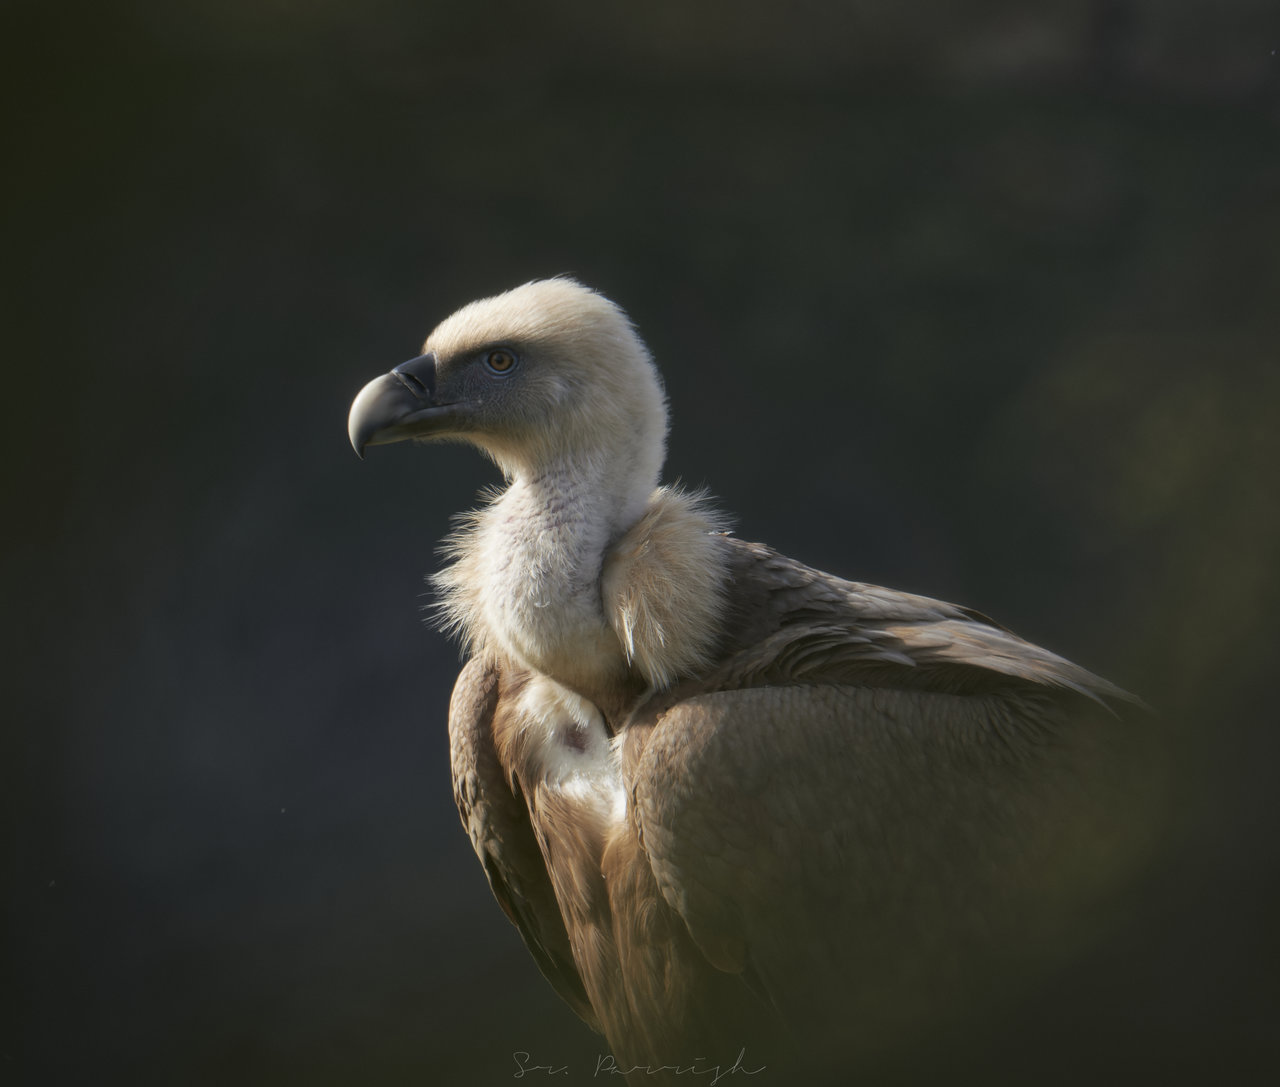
column 740, row 810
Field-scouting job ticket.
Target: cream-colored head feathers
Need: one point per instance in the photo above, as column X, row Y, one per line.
column 588, row 388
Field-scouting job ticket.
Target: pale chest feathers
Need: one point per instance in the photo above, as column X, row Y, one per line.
column 559, row 742
column 545, row 587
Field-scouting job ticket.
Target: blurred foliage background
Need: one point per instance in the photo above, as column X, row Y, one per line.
column 978, row 301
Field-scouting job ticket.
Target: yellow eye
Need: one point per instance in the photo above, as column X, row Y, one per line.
column 500, row 361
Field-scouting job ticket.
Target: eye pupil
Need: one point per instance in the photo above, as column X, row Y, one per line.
column 501, row 361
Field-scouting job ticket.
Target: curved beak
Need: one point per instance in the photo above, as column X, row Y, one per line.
column 398, row 405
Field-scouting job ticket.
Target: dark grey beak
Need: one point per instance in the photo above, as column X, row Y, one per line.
column 398, row 405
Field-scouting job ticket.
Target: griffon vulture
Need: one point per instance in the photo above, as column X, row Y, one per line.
column 727, row 798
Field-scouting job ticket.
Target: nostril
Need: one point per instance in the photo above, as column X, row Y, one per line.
column 418, row 376
column 413, row 384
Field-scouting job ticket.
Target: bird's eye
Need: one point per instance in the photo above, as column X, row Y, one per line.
column 500, row 361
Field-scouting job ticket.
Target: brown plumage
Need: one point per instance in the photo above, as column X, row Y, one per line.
column 727, row 799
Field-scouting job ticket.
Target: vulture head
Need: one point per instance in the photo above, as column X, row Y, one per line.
column 548, row 377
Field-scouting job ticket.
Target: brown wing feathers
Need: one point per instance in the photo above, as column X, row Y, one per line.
column 497, row 821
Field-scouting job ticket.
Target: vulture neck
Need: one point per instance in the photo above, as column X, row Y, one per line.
column 542, row 547
column 587, row 573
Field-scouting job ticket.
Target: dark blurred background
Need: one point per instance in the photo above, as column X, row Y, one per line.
column 979, row 301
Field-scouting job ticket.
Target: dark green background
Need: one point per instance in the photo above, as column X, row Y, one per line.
column 978, row 301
